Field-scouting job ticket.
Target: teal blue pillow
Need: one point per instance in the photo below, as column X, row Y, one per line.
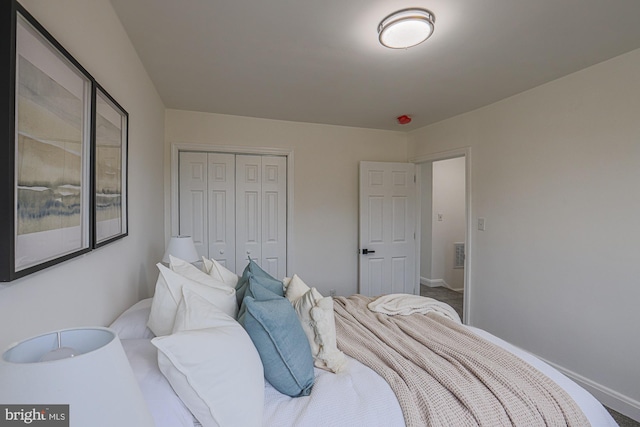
column 269, row 283
column 260, row 289
column 266, row 280
column 257, row 271
column 283, row 347
column 243, row 283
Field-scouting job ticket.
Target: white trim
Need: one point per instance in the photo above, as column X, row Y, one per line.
column 608, row 397
column 418, row 235
column 445, row 155
column 442, row 155
column 176, row 147
column 433, row 283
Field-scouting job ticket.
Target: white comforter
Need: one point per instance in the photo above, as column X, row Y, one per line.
column 355, row 397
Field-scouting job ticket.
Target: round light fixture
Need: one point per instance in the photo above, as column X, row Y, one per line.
column 406, row 28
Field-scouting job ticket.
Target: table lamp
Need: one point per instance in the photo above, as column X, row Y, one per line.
column 181, row 247
column 84, row 368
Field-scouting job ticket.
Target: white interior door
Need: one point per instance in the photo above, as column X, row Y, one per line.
column 222, row 208
column 235, row 206
column 274, row 215
column 261, row 206
column 248, row 210
column 193, row 199
column 387, row 260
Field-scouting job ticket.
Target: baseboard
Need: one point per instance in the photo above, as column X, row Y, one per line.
column 435, row 283
column 431, row 283
column 608, row 397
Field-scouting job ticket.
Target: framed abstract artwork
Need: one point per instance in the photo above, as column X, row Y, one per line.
column 46, row 150
column 110, row 168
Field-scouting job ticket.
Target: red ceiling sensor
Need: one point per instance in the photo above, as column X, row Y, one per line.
column 404, row 119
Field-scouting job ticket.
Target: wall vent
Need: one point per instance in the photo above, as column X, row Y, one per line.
column 459, row 255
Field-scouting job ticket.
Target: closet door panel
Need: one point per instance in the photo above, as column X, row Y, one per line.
column 274, row 215
column 193, row 201
column 248, row 210
column 221, row 208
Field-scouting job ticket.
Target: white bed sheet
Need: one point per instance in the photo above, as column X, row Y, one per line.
column 355, row 397
column 164, row 404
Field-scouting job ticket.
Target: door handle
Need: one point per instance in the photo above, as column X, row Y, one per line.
column 367, row 251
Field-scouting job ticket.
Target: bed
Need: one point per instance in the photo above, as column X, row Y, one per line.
column 205, row 369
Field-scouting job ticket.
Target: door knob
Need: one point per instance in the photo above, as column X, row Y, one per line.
column 367, row 251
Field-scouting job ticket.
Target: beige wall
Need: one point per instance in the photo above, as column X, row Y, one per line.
column 325, row 182
column 556, row 172
column 93, row 289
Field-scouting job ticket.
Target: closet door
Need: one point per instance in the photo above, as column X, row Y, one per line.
column 261, row 188
column 248, row 210
column 194, row 218
column 222, row 209
column 274, row 215
column 235, row 206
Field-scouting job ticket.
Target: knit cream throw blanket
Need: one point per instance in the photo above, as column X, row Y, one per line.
column 445, row 375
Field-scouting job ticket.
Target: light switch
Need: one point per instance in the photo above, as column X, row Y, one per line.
column 481, row 224
column 439, row 217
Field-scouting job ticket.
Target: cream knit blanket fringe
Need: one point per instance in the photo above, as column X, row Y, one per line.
column 444, row 375
column 406, row 304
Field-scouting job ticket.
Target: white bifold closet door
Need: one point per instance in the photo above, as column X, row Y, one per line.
column 234, row 206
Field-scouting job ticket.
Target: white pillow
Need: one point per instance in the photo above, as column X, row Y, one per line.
column 195, row 312
column 295, row 288
column 132, row 323
column 216, row 372
column 303, row 306
column 318, row 322
column 190, row 271
column 328, row 357
column 164, row 404
column 169, row 293
column 219, row 272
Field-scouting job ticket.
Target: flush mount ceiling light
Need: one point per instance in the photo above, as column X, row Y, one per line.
column 406, row 28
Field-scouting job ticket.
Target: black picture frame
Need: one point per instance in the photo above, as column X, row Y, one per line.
column 110, row 160
column 46, row 174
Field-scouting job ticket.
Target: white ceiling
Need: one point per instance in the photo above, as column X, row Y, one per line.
column 320, row 61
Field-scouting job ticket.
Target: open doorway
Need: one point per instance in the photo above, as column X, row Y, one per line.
column 443, row 224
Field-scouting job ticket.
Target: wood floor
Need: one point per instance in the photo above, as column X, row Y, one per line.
column 455, row 300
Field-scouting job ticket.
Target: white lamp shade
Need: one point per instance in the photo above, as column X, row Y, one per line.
column 97, row 384
column 181, row 247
